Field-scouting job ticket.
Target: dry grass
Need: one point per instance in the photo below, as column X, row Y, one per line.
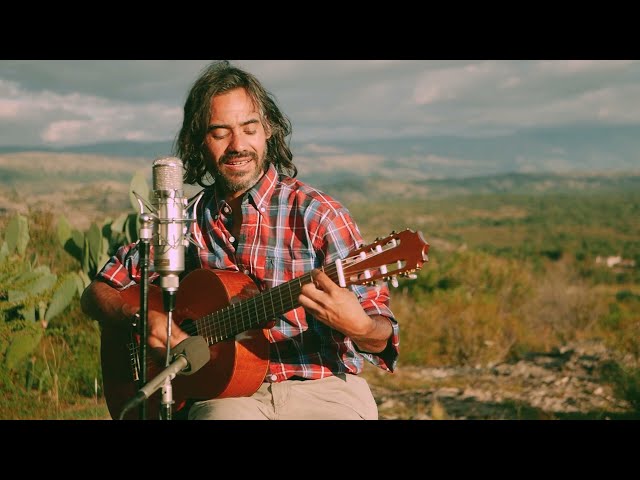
column 51, row 164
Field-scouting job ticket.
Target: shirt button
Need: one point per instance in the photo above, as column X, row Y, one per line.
column 232, row 239
column 262, row 209
column 215, row 217
column 273, row 377
column 226, row 210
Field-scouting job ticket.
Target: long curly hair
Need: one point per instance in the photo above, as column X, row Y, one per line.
column 217, row 78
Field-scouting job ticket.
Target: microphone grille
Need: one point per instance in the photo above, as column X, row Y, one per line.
column 167, row 173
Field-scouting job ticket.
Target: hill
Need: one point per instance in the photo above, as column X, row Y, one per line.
column 90, row 184
column 575, row 149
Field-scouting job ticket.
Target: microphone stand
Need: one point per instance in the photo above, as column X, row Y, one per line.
column 168, row 297
column 146, row 233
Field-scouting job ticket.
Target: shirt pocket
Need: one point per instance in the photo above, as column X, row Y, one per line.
column 285, row 269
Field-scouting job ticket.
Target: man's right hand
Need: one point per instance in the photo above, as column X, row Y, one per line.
column 157, row 331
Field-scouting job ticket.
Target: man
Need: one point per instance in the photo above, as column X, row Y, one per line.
column 255, row 218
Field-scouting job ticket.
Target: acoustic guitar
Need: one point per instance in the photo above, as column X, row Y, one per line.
column 228, row 310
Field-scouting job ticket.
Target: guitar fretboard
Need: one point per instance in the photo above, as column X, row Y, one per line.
column 253, row 312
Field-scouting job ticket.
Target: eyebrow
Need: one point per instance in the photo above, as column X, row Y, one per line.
column 213, row 126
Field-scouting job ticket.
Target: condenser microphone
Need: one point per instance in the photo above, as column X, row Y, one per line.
column 169, row 237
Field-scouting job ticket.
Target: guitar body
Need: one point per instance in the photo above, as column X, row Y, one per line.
column 236, row 368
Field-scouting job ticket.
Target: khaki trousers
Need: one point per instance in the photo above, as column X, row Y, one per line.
column 341, row 397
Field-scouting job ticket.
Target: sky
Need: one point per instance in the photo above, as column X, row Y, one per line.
column 59, row 103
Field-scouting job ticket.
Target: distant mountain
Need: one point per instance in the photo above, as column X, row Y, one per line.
column 558, row 150
column 149, row 150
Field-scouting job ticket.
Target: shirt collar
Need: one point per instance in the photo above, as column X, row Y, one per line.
column 260, row 194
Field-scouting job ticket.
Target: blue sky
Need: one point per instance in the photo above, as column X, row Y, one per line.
column 59, row 103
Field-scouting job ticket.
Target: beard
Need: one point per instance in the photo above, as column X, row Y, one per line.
column 233, row 182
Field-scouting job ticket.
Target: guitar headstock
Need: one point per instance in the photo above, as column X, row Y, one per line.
column 399, row 254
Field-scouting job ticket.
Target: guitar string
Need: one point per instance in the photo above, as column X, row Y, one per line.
column 209, row 325
column 241, row 316
column 224, row 318
column 223, row 323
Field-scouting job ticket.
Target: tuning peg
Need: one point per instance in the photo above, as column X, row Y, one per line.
column 394, row 281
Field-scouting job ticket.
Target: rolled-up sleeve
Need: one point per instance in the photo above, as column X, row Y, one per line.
column 342, row 236
column 123, row 268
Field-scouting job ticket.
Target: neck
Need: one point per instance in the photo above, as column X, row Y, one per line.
column 234, row 200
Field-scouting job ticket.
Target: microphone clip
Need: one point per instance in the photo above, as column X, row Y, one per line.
column 149, row 216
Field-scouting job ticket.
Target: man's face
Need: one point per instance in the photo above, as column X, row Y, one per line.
column 236, row 141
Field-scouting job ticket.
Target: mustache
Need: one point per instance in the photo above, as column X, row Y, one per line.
column 233, row 155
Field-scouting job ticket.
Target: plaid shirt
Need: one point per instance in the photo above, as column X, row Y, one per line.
column 288, row 228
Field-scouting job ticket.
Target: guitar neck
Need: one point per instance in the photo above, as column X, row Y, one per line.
column 253, row 312
column 401, row 253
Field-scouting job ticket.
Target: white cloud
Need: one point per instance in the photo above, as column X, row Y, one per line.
column 580, row 66
column 68, row 102
column 320, row 149
column 67, row 119
column 352, row 162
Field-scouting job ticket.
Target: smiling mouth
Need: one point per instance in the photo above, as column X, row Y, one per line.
column 238, row 162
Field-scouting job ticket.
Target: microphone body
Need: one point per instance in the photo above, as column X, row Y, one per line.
column 190, row 355
column 169, row 239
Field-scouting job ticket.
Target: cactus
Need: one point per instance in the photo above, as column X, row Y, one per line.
column 118, row 224
column 94, row 245
column 33, row 292
column 34, row 259
column 38, row 281
column 28, row 274
column 28, row 312
column 86, row 257
column 84, row 278
column 17, row 235
column 71, row 240
column 132, row 226
column 42, row 308
column 61, row 298
column 75, row 245
column 80, row 284
column 93, row 248
column 4, row 252
column 140, row 186
column 63, row 230
column 22, row 344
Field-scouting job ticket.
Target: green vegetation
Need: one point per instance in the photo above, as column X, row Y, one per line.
column 513, row 273
column 509, row 273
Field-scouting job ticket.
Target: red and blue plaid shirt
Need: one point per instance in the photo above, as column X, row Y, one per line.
column 288, row 228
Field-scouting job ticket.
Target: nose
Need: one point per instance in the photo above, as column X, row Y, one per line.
column 237, row 143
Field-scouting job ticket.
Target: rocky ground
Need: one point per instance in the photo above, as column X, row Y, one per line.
column 562, row 384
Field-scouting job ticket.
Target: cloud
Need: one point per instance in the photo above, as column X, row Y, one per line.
column 570, row 67
column 86, row 101
column 355, row 162
column 314, row 148
column 67, row 119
